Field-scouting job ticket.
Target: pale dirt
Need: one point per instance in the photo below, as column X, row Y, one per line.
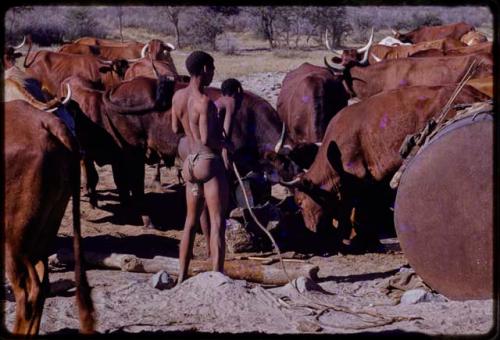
column 213, row 303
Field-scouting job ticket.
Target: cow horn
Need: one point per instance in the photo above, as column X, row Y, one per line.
column 68, row 95
column 133, row 60
column 279, row 145
column 318, row 143
column 291, row 183
column 334, row 66
column 21, row 44
column 107, row 62
column 367, row 46
column 377, row 59
column 338, row 53
column 143, row 51
column 394, row 32
column 169, row 45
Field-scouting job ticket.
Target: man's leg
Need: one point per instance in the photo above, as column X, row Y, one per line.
column 194, row 205
column 205, row 227
column 216, row 195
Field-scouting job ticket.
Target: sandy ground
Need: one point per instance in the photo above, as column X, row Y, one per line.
column 351, row 294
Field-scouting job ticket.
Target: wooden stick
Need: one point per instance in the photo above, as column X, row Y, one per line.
column 236, row 269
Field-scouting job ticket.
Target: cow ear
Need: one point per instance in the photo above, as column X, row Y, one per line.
column 105, row 69
column 334, row 156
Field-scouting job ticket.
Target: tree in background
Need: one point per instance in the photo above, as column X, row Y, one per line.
column 120, row 17
column 172, row 13
column 204, row 26
column 331, row 18
column 12, row 15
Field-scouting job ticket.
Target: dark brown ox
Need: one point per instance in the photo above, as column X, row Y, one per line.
column 41, row 173
column 366, row 81
column 381, row 52
column 360, row 152
column 125, row 127
column 51, row 68
column 427, row 33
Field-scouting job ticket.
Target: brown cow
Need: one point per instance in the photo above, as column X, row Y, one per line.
column 484, row 47
column 125, row 126
column 309, row 97
column 51, row 68
column 361, row 149
column 381, row 52
column 41, row 173
column 107, row 42
column 391, row 74
column 427, row 33
column 159, row 53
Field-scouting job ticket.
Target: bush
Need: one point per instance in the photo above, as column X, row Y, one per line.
column 79, row 23
column 426, row 19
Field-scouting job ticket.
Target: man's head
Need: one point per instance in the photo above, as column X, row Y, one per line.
column 231, row 87
column 201, row 64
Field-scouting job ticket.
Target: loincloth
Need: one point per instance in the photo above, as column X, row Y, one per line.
column 192, row 159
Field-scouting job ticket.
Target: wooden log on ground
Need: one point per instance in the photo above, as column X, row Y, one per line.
column 248, row 270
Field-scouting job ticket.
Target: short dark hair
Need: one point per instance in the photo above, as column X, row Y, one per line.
column 230, row 87
column 196, row 61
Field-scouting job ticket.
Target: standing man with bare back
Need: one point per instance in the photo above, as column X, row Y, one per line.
column 196, row 115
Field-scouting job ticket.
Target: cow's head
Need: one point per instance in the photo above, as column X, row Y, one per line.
column 10, row 55
column 317, row 192
column 473, row 38
column 118, row 66
column 347, row 58
column 158, row 50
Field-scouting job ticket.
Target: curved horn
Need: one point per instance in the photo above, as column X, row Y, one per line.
column 143, row 51
column 377, row 59
column 107, row 62
column 21, row 44
column 394, row 32
column 367, row 46
column 334, row 66
column 68, row 95
column 51, row 110
column 279, row 145
column 169, row 45
column 133, row 60
column 318, row 143
column 291, row 183
column 338, row 53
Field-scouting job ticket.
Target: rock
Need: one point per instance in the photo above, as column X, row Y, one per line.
column 162, row 280
column 414, row 296
column 238, row 239
column 308, row 326
column 306, row 284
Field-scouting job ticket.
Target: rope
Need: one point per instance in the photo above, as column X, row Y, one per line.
column 261, row 226
column 314, row 307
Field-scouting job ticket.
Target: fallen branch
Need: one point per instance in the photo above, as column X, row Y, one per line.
column 248, row 270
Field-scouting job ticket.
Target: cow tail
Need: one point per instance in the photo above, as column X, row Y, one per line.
column 84, row 302
column 83, row 298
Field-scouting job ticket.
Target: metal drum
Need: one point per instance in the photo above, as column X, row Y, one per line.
column 444, row 210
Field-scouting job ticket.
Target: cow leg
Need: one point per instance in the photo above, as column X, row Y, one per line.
column 28, row 294
column 120, row 178
column 137, row 186
column 91, row 180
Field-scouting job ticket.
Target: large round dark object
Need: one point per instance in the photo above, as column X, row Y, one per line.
column 444, row 210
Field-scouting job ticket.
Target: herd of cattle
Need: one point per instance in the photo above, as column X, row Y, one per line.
column 115, row 109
